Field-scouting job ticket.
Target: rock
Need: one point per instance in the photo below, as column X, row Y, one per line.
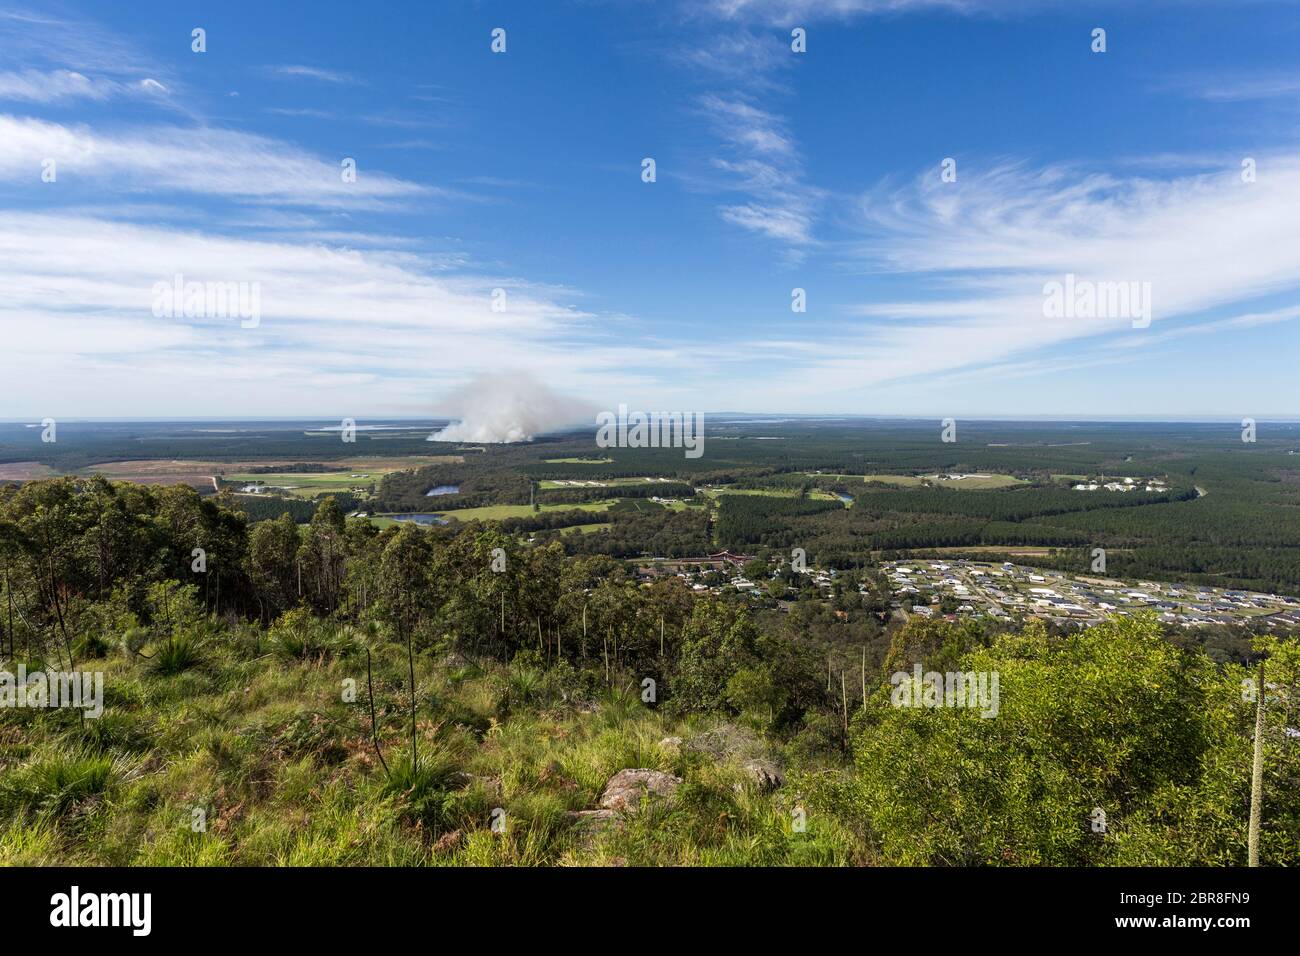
column 671, row 744
column 626, row 788
column 594, row 818
column 764, row 775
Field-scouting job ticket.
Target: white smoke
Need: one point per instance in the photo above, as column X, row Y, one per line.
column 502, row 407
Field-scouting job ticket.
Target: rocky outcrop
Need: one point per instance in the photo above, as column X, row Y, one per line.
column 627, row 788
column 764, row 775
column 624, row 794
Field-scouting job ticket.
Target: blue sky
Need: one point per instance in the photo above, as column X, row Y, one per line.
column 521, row 171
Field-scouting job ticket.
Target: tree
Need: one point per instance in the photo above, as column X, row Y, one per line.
column 718, row 641
column 405, row 591
column 1108, row 746
column 323, row 553
column 272, row 565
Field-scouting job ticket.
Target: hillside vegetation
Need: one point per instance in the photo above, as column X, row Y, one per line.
column 334, row 694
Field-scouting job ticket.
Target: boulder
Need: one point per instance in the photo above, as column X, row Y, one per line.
column 626, row 788
column 764, row 775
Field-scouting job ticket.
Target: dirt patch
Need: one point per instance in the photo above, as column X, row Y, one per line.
column 25, row 471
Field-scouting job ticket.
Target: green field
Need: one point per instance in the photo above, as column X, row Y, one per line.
column 815, row 494
column 310, row 484
column 556, row 484
column 587, row 528
column 905, row 481
column 498, row 512
column 980, row 482
column 765, row 492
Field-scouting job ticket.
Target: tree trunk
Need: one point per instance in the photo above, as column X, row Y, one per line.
column 374, row 723
column 1257, row 775
column 410, row 665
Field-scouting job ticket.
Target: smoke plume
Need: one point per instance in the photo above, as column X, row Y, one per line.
column 508, row 407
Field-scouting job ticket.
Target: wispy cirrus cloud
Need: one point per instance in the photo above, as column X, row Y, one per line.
column 982, row 249
column 302, row 112
column 340, row 328
column 202, row 160
column 298, row 71
column 759, row 157
column 1237, row 87
column 58, row 86
column 760, row 160
column 786, row 11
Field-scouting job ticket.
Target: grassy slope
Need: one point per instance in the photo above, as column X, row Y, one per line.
column 286, row 773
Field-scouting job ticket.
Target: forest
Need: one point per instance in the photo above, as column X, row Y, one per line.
column 329, row 692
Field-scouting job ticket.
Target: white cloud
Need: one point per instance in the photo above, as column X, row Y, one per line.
column 201, row 160
column 1239, row 88
column 985, row 245
column 373, row 331
column 313, row 73
column 762, row 161
column 57, row 86
column 790, row 11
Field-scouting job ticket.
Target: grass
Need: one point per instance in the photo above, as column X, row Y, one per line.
column 309, row 484
column 178, row 653
column 247, row 751
column 982, row 482
column 588, row 528
column 566, row 483
column 763, row 492
column 498, row 512
column 815, row 494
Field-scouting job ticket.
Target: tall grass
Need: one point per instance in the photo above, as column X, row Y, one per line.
column 285, row 771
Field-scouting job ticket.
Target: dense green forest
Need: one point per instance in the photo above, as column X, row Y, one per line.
column 333, row 693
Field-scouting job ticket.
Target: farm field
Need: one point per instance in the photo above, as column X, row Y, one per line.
column 310, row 484
column 25, row 471
column 816, row 494
column 587, row 528
column 197, row 472
column 498, row 512
column 979, row 482
column 554, row 484
column 907, row 481
column 973, row 482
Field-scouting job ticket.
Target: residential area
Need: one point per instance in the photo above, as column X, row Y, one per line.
column 1006, row 590
column 960, row 587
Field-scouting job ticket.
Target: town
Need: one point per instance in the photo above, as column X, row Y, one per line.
column 961, row 587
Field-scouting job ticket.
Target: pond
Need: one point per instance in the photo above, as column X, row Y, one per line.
column 427, row 519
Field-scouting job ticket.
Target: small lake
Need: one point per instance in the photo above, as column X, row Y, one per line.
column 442, row 490
column 847, row 499
column 421, row 519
